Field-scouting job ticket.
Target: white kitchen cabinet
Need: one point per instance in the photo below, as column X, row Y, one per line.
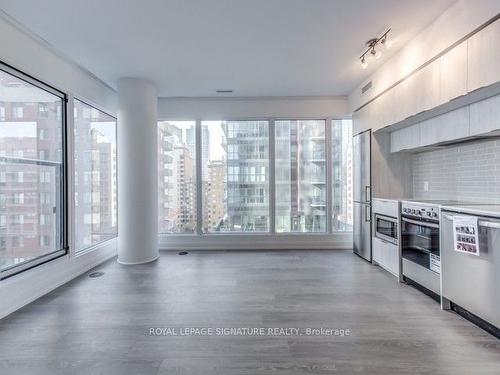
column 406, row 138
column 386, row 255
column 403, row 98
column 386, row 110
column 450, row 126
column 381, row 111
column 484, row 57
column 453, row 73
column 427, row 91
column 447, row 127
column 360, row 120
column 367, row 117
column 485, row 116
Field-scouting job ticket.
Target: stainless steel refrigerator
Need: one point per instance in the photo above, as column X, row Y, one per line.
column 362, row 243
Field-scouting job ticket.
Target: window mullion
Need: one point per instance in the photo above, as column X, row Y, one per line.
column 199, row 179
column 272, row 179
column 329, row 172
column 70, row 175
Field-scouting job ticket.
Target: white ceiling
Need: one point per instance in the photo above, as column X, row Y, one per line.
column 255, row 47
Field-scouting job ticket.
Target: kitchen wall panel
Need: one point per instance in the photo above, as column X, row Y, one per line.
column 468, row 171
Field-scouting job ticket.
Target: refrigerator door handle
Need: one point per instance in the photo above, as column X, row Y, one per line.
column 368, row 214
column 367, row 193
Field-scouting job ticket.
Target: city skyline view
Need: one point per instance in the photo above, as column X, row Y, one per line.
column 235, row 176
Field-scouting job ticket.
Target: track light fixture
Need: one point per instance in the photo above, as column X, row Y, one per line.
column 371, row 48
column 364, row 64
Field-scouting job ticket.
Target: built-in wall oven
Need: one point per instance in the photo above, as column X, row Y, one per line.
column 420, row 253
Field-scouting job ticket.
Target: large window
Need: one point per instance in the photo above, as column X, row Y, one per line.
column 177, row 176
column 309, row 169
column 31, row 172
column 95, row 176
column 342, row 175
column 235, row 161
column 300, row 176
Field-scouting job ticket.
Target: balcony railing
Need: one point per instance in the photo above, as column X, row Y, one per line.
column 39, row 177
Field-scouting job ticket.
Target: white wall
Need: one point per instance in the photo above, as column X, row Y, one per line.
column 268, row 241
column 456, row 22
column 243, row 108
column 24, row 52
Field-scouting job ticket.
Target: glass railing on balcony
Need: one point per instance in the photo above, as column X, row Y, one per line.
column 31, row 213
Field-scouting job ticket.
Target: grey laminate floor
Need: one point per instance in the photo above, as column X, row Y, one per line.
column 101, row 326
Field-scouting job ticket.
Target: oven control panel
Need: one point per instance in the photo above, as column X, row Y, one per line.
column 421, row 211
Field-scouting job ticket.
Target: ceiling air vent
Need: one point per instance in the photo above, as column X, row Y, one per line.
column 220, row 91
column 366, row 87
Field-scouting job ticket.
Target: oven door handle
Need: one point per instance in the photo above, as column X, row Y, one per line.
column 421, row 223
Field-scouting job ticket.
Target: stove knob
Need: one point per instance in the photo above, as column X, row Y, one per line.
column 429, row 213
column 434, row 214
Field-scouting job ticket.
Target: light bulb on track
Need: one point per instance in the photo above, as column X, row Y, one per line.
column 375, row 53
column 387, row 43
column 364, row 64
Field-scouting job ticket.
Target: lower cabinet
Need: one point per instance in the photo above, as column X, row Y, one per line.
column 386, row 255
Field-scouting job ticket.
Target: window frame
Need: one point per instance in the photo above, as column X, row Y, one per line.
column 328, row 174
column 272, row 177
column 199, row 187
column 63, row 221
column 75, row 250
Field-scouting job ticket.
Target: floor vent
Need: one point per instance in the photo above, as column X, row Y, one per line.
column 183, row 253
column 95, row 274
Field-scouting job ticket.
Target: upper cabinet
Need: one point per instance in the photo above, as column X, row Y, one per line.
column 484, row 57
column 447, row 127
column 453, row 75
column 427, row 87
column 485, row 116
column 440, row 102
column 360, row 120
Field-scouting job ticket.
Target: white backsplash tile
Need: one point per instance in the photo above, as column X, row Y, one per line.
column 468, row 172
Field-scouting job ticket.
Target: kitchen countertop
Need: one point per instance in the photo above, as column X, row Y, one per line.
column 479, row 210
column 386, row 199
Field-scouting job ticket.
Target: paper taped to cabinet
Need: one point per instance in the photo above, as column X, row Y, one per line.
column 465, row 234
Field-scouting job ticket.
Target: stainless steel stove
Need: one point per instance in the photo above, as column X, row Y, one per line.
column 420, row 255
column 427, row 209
column 420, row 252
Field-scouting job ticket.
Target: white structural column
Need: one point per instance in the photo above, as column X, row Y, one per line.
column 137, row 171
